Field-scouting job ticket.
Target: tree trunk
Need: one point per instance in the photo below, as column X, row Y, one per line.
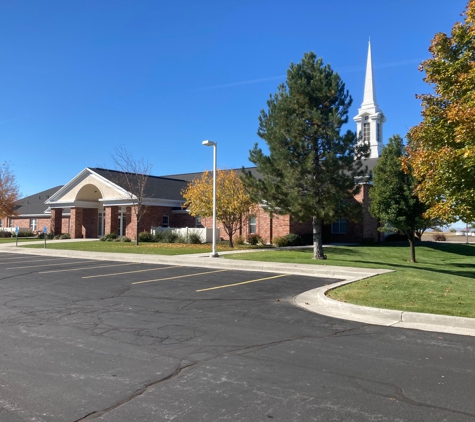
column 229, row 232
column 410, row 236
column 137, row 230
column 317, row 239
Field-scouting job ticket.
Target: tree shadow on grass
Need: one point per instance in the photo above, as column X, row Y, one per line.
column 455, row 272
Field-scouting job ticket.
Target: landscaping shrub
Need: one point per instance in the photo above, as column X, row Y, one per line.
column 56, row 237
column 395, row 238
column 110, row 237
column 145, row 237
column 169, row 237
column 194, row 238
column 293, row 239
column 159, row 236
column 5, row 234
column 65, row 236
column 439, row 237
column 368, row 241
column 239, row 240
column 262, row 241
column 253, row 239
column 48, row 236
column 125, row 239
column 26, row 234
column 280, row 241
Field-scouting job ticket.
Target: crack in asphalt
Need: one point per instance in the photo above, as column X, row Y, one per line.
column 398, row 394
column 176, row 373
column 97, row 414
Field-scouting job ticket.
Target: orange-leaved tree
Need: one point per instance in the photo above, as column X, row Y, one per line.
column 233, row 204
column 9, row 193
column 441, row 149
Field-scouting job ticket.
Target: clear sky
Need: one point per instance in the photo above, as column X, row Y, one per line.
column 80, row 77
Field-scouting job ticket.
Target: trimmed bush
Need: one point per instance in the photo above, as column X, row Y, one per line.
column 368, row 241
column 26, row 234
column 253, row 239
column 439, row 237
column 125, row 239
column 145, row 237
column 396, row 238
column 293, row 239
column 280, row 241
column 5, row 234
column 194, row 238
column 65, row 236
column 57, row 237
column 239, row 240
column 110, row 237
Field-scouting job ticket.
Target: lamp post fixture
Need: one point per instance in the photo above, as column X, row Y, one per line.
column 207, row 143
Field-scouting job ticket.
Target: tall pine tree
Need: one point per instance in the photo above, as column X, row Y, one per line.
column 311, row 169
column 393, row 200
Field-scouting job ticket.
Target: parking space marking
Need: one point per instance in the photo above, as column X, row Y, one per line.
column 130, row 272
column 178, row 276
column 43, row 265
column 86, row 268
column 242, row 282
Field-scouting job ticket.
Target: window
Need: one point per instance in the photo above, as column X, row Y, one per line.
column 366, row 132
column 166, row 221
column 252, row 224
column 340, row 226
column 198, row 221
column 378, row 133
column 1, row 224
column 33, row 224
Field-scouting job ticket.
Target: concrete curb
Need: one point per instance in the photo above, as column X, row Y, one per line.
column 313, row 300
column 316, row 301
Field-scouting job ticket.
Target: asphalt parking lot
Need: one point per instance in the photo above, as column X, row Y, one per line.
column 87, row 340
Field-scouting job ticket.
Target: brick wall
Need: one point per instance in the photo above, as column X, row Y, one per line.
column 89, row 223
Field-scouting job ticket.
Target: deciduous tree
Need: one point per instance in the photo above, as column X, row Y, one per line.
column 393, row 200
column 233, row 203
column 9, row 192
column 311, row 168
column 442, row 151
column 132, row 176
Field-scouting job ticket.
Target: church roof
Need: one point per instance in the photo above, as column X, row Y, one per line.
column 34, row 205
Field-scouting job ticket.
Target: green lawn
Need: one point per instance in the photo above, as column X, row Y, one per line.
column 129, row 247
column 20, row 239
column 442, row 282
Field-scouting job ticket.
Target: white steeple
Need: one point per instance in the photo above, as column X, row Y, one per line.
column 370, row 118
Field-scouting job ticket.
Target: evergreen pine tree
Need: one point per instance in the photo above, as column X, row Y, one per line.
column 311, row 169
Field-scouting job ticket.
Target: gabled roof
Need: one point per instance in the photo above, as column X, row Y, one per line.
column 156, row 188
column 35, row 204
column 192, row 176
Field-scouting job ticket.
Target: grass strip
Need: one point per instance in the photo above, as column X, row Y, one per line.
column 441, row 282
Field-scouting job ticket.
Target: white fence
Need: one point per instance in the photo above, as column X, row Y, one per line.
column 12, row 229
column 206, row 235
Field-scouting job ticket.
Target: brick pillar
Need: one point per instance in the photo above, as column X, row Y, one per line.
column 111, row 217
column 76, row 223
column 56, row 221
column 132, row 226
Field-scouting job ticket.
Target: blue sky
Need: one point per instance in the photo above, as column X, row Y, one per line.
column 80, row 77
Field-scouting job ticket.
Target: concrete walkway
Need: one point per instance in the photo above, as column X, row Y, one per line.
column 314, row 300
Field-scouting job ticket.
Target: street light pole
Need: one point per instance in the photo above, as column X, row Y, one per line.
column 207, row 143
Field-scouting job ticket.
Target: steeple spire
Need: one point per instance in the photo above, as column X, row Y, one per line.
column 369, row 97
column 370, row 118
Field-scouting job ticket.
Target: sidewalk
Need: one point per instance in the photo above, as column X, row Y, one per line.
column 313, row 300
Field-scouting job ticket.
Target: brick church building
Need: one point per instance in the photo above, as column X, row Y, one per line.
column 96, row 202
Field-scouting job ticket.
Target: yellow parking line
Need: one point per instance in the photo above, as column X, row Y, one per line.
column 243, row 282
column 179, row 276
column 42, row 265
column 86, row 268
column 130, row 272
